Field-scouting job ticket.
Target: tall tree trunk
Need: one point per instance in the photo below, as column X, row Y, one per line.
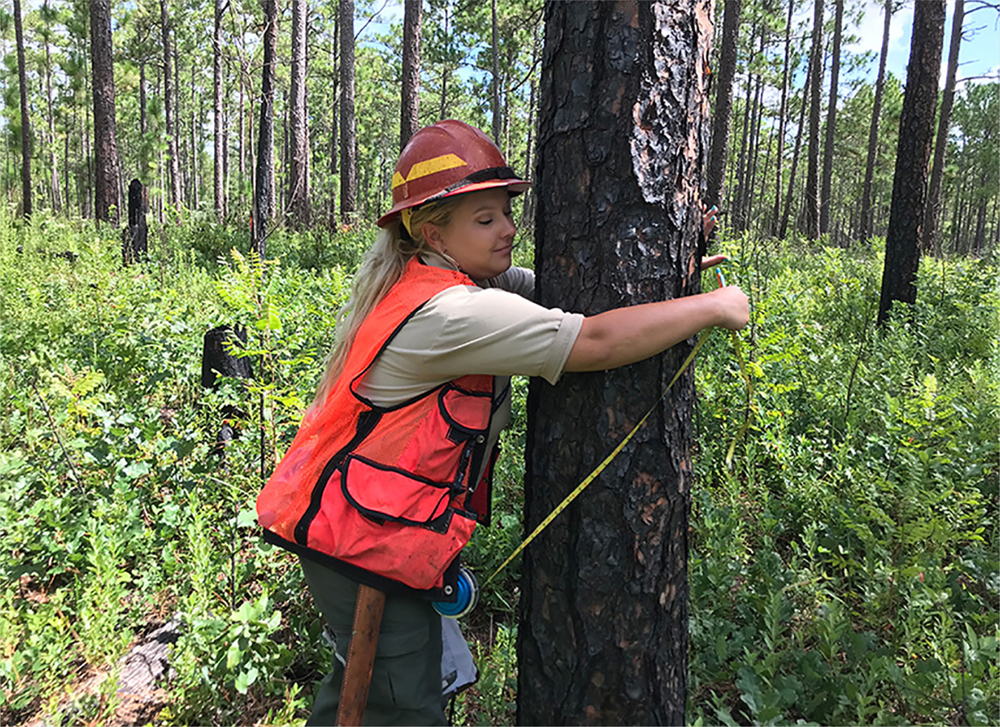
column 495, row 82
column 105, row 146
column 723, row 102
column 783, row 232
column 602, row 635
column 170, row 113
column 738, row 221
column 50, row 115
column 195, row 120
column 142, row 97
column 866, row 194
column 931, row 238
column 409, row 116
column 335, row 119
column 528, row 211
column 812, row 169
column 298, row 201
column 781, row 121
column 909, row 184
column 348, row 156
column 22, row 84
column 445, row 70
column 831, row 121
column 263, row 197
column 217, row 135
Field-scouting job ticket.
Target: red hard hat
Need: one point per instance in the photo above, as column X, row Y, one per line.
column 445, row 159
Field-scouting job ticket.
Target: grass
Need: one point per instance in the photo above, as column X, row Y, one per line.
column 843, row 570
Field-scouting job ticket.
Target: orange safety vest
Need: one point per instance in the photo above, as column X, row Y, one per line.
column 384, row 494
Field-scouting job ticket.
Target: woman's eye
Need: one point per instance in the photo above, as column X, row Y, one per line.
column 486, row 221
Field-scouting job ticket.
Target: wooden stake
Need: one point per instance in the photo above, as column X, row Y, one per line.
column 360, row 656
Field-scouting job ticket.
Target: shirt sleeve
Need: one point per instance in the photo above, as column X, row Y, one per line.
column 466, row 330
column 514, row 280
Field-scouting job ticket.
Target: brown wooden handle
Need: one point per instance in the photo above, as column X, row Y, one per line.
column 360, row 656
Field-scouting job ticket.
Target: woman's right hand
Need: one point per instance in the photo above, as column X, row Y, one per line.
column 732, row 307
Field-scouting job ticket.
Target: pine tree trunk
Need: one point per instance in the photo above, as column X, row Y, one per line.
column 931, row 238
column 50, row 116
column 623, row 142
column 779, row 167
column 170, row 112
column 105, row 145
column 298, row 201
column 22, row 83
column 812, row 169
column 723, row 102
column 348, row 155
column 909, row 185
column 218, row 187
column 831, row 121
column 263, row 197
column 495, row 81
column 409, row 117
column 866, row 194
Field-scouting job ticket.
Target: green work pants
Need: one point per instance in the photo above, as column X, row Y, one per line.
column 406, row 679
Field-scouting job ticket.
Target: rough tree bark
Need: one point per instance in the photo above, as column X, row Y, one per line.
column 865, row 230
column 909, row 185
column 105, row 144
column 263, row 196
column 409, row 116
column 723, row 102
column 170, row 110
column 348, row 157
column 831, row 121
column 495, row 81
column 217, row 186
column 623, row 143
column 775, row 224
column 812, row 165
column 22, row 83
column 298, row 199
column 931, row 239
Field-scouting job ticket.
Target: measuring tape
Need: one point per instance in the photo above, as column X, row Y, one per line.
column 628, row 437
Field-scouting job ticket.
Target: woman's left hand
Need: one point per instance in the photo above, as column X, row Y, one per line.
column 712, row 260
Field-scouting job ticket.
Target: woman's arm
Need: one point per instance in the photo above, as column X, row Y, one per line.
column 626, row 335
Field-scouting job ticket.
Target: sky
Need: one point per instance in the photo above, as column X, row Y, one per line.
column 979, row 53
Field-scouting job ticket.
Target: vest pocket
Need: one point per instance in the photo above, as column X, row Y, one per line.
column 388, row 494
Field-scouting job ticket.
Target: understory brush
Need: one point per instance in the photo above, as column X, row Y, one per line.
column 843, row 569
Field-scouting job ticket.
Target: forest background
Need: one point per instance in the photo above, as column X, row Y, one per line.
column 843, row 570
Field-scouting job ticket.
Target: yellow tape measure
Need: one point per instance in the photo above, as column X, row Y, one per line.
column 628, row 437
column 607, row 460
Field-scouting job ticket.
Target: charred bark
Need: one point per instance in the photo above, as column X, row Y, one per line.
column 298, row 201
column 409, row 117
column 931, row 238
column 263, row 196
column 348, row 156
column 909, row 184
column 22, row 83
column 622, row 145
column 812, row 165
column 831, row 122
column 105, row 143
column 135, row 235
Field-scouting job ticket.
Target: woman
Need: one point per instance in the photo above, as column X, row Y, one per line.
column 390, row 471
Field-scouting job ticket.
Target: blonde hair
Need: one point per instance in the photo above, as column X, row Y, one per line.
column 381, row 269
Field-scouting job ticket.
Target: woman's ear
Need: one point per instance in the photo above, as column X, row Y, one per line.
column 432, row 236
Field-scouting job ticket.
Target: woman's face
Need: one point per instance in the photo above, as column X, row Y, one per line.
column 480, row 234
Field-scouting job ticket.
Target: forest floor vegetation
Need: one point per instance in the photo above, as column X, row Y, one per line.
column 843, row 569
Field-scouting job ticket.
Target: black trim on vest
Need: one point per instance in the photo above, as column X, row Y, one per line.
column 360, row 575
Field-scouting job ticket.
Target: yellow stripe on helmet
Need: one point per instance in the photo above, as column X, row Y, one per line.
column 428, row 166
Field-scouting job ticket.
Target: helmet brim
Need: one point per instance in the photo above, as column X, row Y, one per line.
column 514, row 186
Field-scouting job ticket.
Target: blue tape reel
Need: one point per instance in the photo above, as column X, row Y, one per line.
column 468, row 596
